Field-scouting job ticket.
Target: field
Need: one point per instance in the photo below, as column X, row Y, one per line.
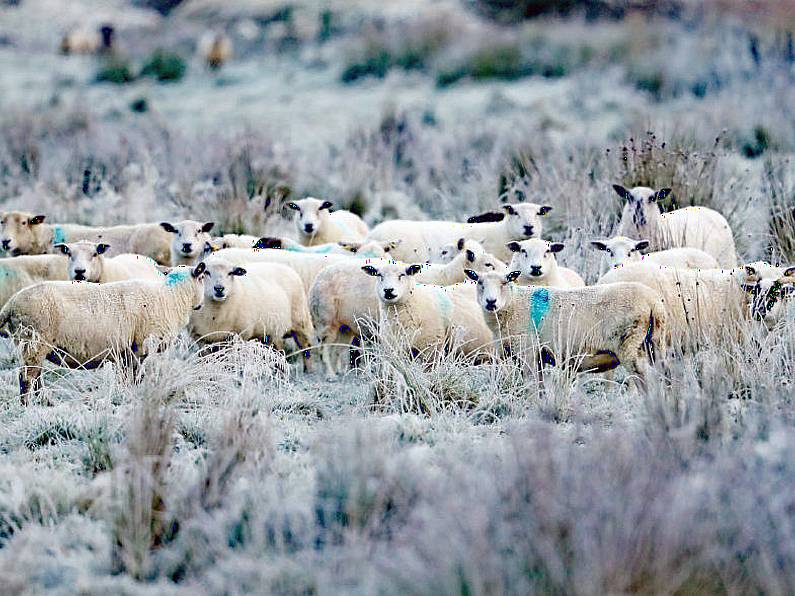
column 233, row 472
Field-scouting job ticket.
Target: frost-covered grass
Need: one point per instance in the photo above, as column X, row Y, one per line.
column 231, row 472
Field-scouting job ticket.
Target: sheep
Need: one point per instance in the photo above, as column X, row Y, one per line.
column 20, row 272
column 770, row 289
column 87, row 262
column 422, row 240
column 696, row 227
column 218, row 51
column 264, row 301
column 188, row 239
column 428, row 317
column 24, row 233
column 85, row 41
column 316, row 224
column 447, row 252
column 341, row 299
column 369, row 249
column 81, row 324
column 620, row 249
column 535, row 258
column 593, row 328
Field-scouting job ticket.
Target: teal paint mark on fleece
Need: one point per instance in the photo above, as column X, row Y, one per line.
column 445, row 304
column 310, row 249
column 176, row 277
column 58, row 235
column 539, row 305
column 5, row 273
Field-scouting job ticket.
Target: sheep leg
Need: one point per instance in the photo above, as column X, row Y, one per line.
column 356, row 353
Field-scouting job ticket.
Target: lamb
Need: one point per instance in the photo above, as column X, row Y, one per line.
column 263, row 301
column 593, row 328
column 316, row 224
column 695, row 227
column 535, row 258
column 344, row 304
column 81, row 324
column 188, row 239
column 422, row 240
column 20, row 272
column 87, row 262
column 368, row 249
column 620, row 250
column 427, row 317
column 24, row 233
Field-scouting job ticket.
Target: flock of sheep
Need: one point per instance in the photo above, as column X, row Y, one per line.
column 487, row 289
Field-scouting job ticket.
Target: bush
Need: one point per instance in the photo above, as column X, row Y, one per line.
column 115, row 70
column 164, row 66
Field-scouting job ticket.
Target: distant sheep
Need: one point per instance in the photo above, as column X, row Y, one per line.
column 316, row 224
column 20, row 272
column 24, row 233
column 218, row 51
column 87, row 41
column 188, row 238
column 82, row 324
column 422, row 240
column 535, row 258
column 594, row 328
column 694, row 227
column 620, row 250
column 87, row 262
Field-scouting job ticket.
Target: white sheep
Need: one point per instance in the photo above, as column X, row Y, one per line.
column 87, row 261
column 81, row 324
column 24, row 233
column 317, row 224
column 535, row 258
column 770, row 289
column 217, row 50
column 423, row 240
column 188, row 238
column 262, row 301
column 428, row 318
column 620, row 250
column 20, row 272
column 696, row 227
column 344, row 304
column 88, row 41
column 593, row 328
column 366, row 249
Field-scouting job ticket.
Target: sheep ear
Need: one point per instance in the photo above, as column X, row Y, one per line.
column 622, row 192
column 471, row 274
column 102, row 248
column 63, row 248
column 460, row 244
column 413, row 269
column 556, row 246
column 641, row 245
column 198, row 270
column 326, row 205
column 513, row 246
column 661, row 194
column 208, row 248
column 168, row 227
column 470, row 256
column 165, row 270
column 544, row 209
column 513, row 275
column 293, row 206
column 268, row 242
column 370, row 270
column 36, row 220
column 789, row 272
column 509, row 209
column 350, row 246
column 599, row 245
column 208, row 226
column 750, row 271
column 238, row 271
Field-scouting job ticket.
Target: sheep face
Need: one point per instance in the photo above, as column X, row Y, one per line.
column 19, row 232
column 620, row 250
column 450, row 251
column 475, row 257
column 494, row 292
column 640, row 205
column 85, row 260
column 394, row 282
column 770, row 294
column 523, row 220
column 535, row 258
column 189, row 238
column 311, row 215
column 220, row 279
column 369, row 249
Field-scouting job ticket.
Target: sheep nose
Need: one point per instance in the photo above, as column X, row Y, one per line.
column 528, row 230
column 219, row 290
column 535, row 270
column 80, row 274
column 389, row 293
column 309, row 228
column 186, row 246
column 6, row 244
column 491, row 304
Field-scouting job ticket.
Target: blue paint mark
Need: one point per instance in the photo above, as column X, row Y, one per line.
column 539, row 305
column 320, row 250
column 176, row 277
column 444, row 303
column 58, row 235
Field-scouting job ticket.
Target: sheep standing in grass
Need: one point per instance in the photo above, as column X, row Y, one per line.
column 535, row 258
column 88, row 41
column 24, row 233
column 427, row 317
column 344, row 303
column 423, row 240
column 262, row 301
column 620, row 250
column 594, row 328
column 316, row 224
column 188, row 240
column 87, row 262
column 771, row 296
column 81, row 324
column 20, row 272
column 696, row 227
